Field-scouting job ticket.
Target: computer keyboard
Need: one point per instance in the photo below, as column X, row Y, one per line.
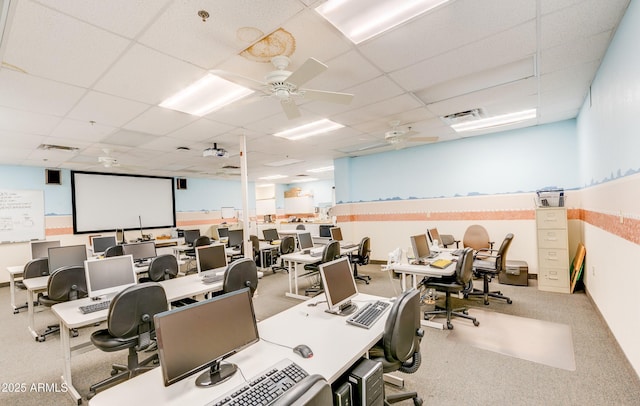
column 265, row 388
column 95, row 307
column 369, row 314
column 212, row 278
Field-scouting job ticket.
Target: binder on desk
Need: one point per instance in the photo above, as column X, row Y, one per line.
column 441, row 263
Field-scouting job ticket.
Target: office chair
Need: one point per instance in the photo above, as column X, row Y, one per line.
column 287, row 246
column 330, row 252
column 130, row 326
column 443, row 239
column 65, row 284
column 477, row 238
column 255, row 247
column 115, row 251
column 191, row 254
column 488, row 265
column 162, row 268
column 458, row 282
column 300, row 227
column 361, row 258
column 240, row 274
column 399, row 349
column 33, row 269
column 312, row 390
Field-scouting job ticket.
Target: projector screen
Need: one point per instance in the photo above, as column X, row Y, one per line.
column 105, row 202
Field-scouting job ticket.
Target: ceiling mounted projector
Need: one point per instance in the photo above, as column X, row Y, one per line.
column 215, row 151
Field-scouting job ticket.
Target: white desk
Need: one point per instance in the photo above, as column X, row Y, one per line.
column 420, row 271
column 335, row 344
column 14, row 271
column 69, row 315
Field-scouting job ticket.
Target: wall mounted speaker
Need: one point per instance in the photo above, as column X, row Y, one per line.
column 181, row 183
column 53, row 176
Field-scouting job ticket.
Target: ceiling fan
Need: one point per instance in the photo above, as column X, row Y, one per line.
column 285, row 85
column 398, row 135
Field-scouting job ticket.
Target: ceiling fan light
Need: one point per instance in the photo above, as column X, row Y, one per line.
column 309, row 129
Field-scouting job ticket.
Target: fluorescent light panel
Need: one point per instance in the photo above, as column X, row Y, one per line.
column 495, row 121
column 360, row 20
column 206, row 95
column 304, row 180
column 320, row 170
column 273, row 177
column 309, row 130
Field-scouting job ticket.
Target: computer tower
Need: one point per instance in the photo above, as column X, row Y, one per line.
column 342, row 395
column 367, row 384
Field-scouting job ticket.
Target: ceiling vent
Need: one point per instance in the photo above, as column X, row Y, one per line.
column 230, row 167
column 463, row 116
column 47, row 147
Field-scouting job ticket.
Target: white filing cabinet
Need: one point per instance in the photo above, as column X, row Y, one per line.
column 553, row 249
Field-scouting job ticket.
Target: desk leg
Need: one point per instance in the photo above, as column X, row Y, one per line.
column 293, row 284
column 65, row 345
column 12, row 286
column 403, row 281
column 31, row 316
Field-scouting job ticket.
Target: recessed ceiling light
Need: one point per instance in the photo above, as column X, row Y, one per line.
column 309, row 130
column 495, row 121
column 273, row 177
column 303, row 180
column 265, row 185
column 322, row 169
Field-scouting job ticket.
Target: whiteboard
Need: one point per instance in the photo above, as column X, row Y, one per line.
column 21, row 215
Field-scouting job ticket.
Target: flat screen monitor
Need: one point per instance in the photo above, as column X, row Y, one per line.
column 140, row 250
column 223, row 232
column 190, row 236
column 270, row 234
column 305, row 241
column 208, row 343
column 70, row 255
column 339, row 285
column 108, row 276
column 420, row 246
column 100, row 244
column 40, row 249
column 211, row 259
column 336, row 233
column 324, row 230
column 235, row 238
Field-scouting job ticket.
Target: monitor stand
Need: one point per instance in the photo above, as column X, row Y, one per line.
column 216, row 374
column 344, row 309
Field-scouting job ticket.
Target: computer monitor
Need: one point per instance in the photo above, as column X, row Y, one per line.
column 100, row 244
column 40, row 249
column 140, row 250
column 230, row 327
column 305, row 241
column 339, row 286
column 70, row 255
column 420, row 246
column 324, row 230
column 270, row 234
column 235, row 238
column 211, row 259
column 190, row 236
column 108, row 276
column 223, row 232
column 336, row 233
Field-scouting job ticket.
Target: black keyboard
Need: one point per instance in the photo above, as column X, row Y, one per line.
column 369, row 314
column 265, row 388
column 95, row 307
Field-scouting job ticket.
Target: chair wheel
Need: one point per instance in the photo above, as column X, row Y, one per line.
column 509, row 301
column 114, row 372
column 40, row 339
column 476, row 323
column 16, row 311
column 486, row 302
column 449, row 325
column 367, row 282
column 465, row 296
column 417, row 402
column 465, row 311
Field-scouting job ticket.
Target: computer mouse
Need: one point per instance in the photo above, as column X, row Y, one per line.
column 303, row 350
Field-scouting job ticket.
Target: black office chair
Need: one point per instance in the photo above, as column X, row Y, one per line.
column 399, row 349
column 255, row 248
column 130, row 326
column 488, row 265
column 162, row 268
column 300, row 227
column 287, row 246
column 457, row 282
column 33, row 269
column 242, row 273
column 312, row 390
column 444, row 240
column 65, row 284
column 330, row 252
column 115, row 251
column 191, row 253
column 361, row 258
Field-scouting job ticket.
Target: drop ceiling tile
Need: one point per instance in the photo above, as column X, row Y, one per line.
column 159, row 121
column 20, row 141
column 26, row 122
column 128, row 138
column 81, row 130
column 200, row 130
column 247, row 111
column 578, row 76
column 164, row 144
column 106, row 109
column 574, row 53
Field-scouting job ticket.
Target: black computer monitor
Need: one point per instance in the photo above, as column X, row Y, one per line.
column 336, row 233
column 223, row 232
column 140, row 250
column 230, row 327
column 235, row 238
column 190, row 236
column 70, row 255
column 108, row 276
column 420, row 246
column 324, row 230
column 211, row 259
column 305, row 241
column 339, row 286
column 100, row 244
column 40, row 249
column 270, row 234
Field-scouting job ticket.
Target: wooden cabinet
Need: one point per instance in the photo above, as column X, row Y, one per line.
column 553, row 249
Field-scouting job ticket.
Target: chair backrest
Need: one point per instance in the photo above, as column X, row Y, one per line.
column 131, row 311
column 67, row 283
column 201, row 241
column 312, row 390
column 242, row 273
column 464, row 266
column 331, row 251
column 300, row 227
column 364, row 250
column 402, row 331
column 434, row 235
column 255, row 243
column 501, row 256
column 163, row 267
column 476, row 237
column 287, row 245
column 115, row 251
column 36, row 268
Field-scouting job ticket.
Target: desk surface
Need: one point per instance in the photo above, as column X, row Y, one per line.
column 336, row 346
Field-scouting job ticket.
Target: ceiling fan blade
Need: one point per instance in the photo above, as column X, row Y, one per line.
column 309, row 70
column 290, row 109
column 323, row 95
column 423, row 139
column 239, row 80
